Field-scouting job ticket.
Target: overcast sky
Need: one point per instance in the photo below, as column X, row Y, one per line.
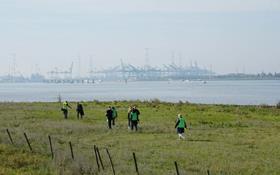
column 227, row 35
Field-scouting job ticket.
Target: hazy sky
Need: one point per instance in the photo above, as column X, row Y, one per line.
column 229, row 35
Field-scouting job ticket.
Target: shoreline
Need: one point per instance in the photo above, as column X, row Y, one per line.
column 155, row 101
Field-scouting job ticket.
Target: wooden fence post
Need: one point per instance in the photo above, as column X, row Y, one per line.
column 27, row 140
column 113, row 169
column 50, row 141
column 135, row 163
column 99, row 156
column 10, row 136
column 71, row 149
column 177, row 169
column 96, row 157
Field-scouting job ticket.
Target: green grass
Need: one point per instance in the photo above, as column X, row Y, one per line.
column 226, row 139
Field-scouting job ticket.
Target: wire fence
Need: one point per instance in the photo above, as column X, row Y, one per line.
column 96, row 154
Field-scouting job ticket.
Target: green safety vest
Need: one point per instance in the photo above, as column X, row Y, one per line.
column 181, row 123
column 115, row 113
column 133, row 116
column 64, row 105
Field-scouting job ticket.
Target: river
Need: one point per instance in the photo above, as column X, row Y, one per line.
column 210, row 92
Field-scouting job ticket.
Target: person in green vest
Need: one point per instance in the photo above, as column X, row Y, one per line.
column 181, row 125
column 64, row 109
column 115, row 114
column 134, row 117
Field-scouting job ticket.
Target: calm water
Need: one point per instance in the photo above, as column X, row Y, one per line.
column 221, row 92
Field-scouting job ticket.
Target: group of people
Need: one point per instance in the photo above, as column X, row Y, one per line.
column 111, row 115
column 79, row 110
column 132, row 117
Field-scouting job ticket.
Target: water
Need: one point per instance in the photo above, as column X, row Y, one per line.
column 212, row 92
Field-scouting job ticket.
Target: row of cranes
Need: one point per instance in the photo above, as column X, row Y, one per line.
column 66, row 76
column 131, row 72
column 58, row 74
column 171, row 71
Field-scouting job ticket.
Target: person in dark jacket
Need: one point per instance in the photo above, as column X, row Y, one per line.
column 80, row 111
column 134, row 118
column 109, row 115
column 180, row 125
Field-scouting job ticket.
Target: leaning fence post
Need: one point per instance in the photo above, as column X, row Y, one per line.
column 50, row 140
column 71, row 149
column 110, row 161
column 96, row 157
column 177, row 170
column 135, row 162
column 27, row 140
column 10, row 136
column 99, row 156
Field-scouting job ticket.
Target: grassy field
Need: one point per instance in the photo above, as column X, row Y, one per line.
column 225, row 139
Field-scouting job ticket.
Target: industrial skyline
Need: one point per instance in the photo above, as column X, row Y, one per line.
column 129, row 72
column 82, row 66
column 75, row 68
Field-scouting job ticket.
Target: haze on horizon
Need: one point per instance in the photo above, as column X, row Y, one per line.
column 229, row 36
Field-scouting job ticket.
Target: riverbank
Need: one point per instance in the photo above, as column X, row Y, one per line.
column 223, row 138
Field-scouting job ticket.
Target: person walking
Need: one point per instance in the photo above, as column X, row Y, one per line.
column 134, row 117
column 180, row 125
column 114, row 115
column 80, row 111
column 64, row 109
column 109, row 115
